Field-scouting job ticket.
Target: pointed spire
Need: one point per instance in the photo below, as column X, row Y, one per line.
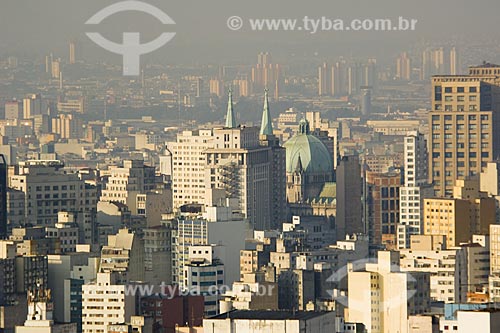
column 230, row 119
column 266, row 127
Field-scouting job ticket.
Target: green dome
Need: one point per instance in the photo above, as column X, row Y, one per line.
column 308, row 151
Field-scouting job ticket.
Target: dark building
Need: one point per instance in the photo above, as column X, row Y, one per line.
column 349, row 192
column 3, row 197
column 171, row 309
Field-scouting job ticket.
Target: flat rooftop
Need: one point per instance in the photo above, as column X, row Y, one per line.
column 269, row 315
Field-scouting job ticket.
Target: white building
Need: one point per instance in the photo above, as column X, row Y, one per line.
column 382, row 297
column 415, row 189
column 104, row 302
column 240, row 321
column 126, row 182
column 204, row 274
column 448, row 269
column 484, row 321
column 188, row 166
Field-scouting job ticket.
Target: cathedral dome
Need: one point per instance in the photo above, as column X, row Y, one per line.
column 307, row 152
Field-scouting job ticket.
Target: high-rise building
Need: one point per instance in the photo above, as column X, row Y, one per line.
column 242, row 167
column 403, row 67
column 415, row 188
column 349, row 219
column 72, row 53
column 67, row 126
column 266, row 74
column 56, row 69
column 454, row 61
column 3, row 197
column 128, row 181
column 468, row 212
column 366, row 100
column 326, row 80
column 13, row 110
column 188, row 166
column 32, row 105
column 464, row 125
column 216, row 87
column 382, row 297
column 49, row 190
column 186, row 233
column 382, row 206
column 204, row 273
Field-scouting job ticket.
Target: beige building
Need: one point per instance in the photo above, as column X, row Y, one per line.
column 127, row 181
column 66, row 192
column 447, row 269
column 188, row 166
column 382, row 297
column 67, row 126
column 464, row 125
column 104, row 303
column 242, row 167
column 468, row 212
column 124, row 254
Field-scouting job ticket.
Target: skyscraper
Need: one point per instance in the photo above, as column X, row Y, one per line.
column 366, row 101
column 325, row 80
column 3, row 197
column 415, row 188
column 265, row 74
column 188, row 167
column 32, row 106
column 403, row 67
column 382, row 201
column 241, row 166
column 464, row 125
column 349, row 185
column 72, row 53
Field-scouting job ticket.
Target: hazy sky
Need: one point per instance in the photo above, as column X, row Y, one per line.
column 35, row 27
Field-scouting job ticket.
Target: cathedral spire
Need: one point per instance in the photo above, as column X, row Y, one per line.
column 230, row 119
column 266, row 127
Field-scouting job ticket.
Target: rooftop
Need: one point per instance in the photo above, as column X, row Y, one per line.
column 269, row 315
